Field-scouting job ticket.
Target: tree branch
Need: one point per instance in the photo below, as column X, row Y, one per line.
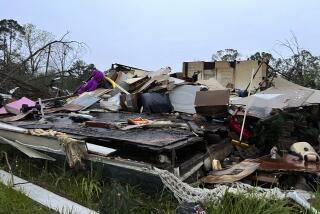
column 51, row 43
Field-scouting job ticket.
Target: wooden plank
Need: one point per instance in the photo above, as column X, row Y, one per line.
column 232, row 174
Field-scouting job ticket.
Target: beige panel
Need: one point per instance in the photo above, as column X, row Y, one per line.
column 225, row 77
column 243, row 74
column 194, row 67
column 207, row 74
column 222, row 64
column 212, row 84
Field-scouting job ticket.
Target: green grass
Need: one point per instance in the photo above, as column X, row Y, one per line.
column 120, row 198
column 89, row 189
column 236, row 204
column 316, row 201
column 14, row 202
column 84, row 187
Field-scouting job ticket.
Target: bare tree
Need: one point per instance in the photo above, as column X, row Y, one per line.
column 33, row 39
column 68, row 53
column 301, row 66
column 64, row 55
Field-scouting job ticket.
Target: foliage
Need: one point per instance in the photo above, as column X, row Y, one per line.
column 10, row 43
column 28, row 55
column 262, row 56
column 78, row 72
column 302, row 68
column 226, row 55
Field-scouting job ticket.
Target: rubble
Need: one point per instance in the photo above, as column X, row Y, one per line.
column 133, row 120
column 232, row 174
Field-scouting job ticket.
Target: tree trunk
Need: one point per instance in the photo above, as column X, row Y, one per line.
column 48, row 58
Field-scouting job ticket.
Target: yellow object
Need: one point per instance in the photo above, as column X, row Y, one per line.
column 238, row 143
column 114, row 85
column 216, row 165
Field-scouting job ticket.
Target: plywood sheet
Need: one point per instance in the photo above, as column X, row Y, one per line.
column 243, row 73
column 232, row 174
column 225, row 76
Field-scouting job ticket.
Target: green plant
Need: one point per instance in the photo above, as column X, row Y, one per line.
column 90, row 188
column 13, row 202
column 82, row 187
column 316, row 200
column 250, row 204
column 121, row 198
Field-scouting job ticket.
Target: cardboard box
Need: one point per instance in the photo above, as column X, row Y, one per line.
column 213, row 102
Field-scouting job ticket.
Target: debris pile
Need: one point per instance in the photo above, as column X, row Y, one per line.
column 194, row 125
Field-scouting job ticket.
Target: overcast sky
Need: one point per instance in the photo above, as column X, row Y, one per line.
column 152, row 34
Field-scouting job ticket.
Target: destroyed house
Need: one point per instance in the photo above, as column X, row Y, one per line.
column 233, row 75
column 152, row 129
column 127, row 127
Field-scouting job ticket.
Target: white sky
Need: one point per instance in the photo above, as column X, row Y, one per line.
column 152, row 34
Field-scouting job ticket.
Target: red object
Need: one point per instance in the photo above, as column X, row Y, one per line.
column 236, row 127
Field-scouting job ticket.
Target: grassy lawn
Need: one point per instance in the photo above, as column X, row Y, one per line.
column 14, row 202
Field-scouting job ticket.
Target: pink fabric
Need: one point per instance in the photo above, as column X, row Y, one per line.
column 3, row 111
column 15, row 106
column 18, row 104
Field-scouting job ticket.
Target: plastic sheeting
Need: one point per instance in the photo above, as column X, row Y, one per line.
column 283, row 94
column 260, row 105
column 182, row 98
